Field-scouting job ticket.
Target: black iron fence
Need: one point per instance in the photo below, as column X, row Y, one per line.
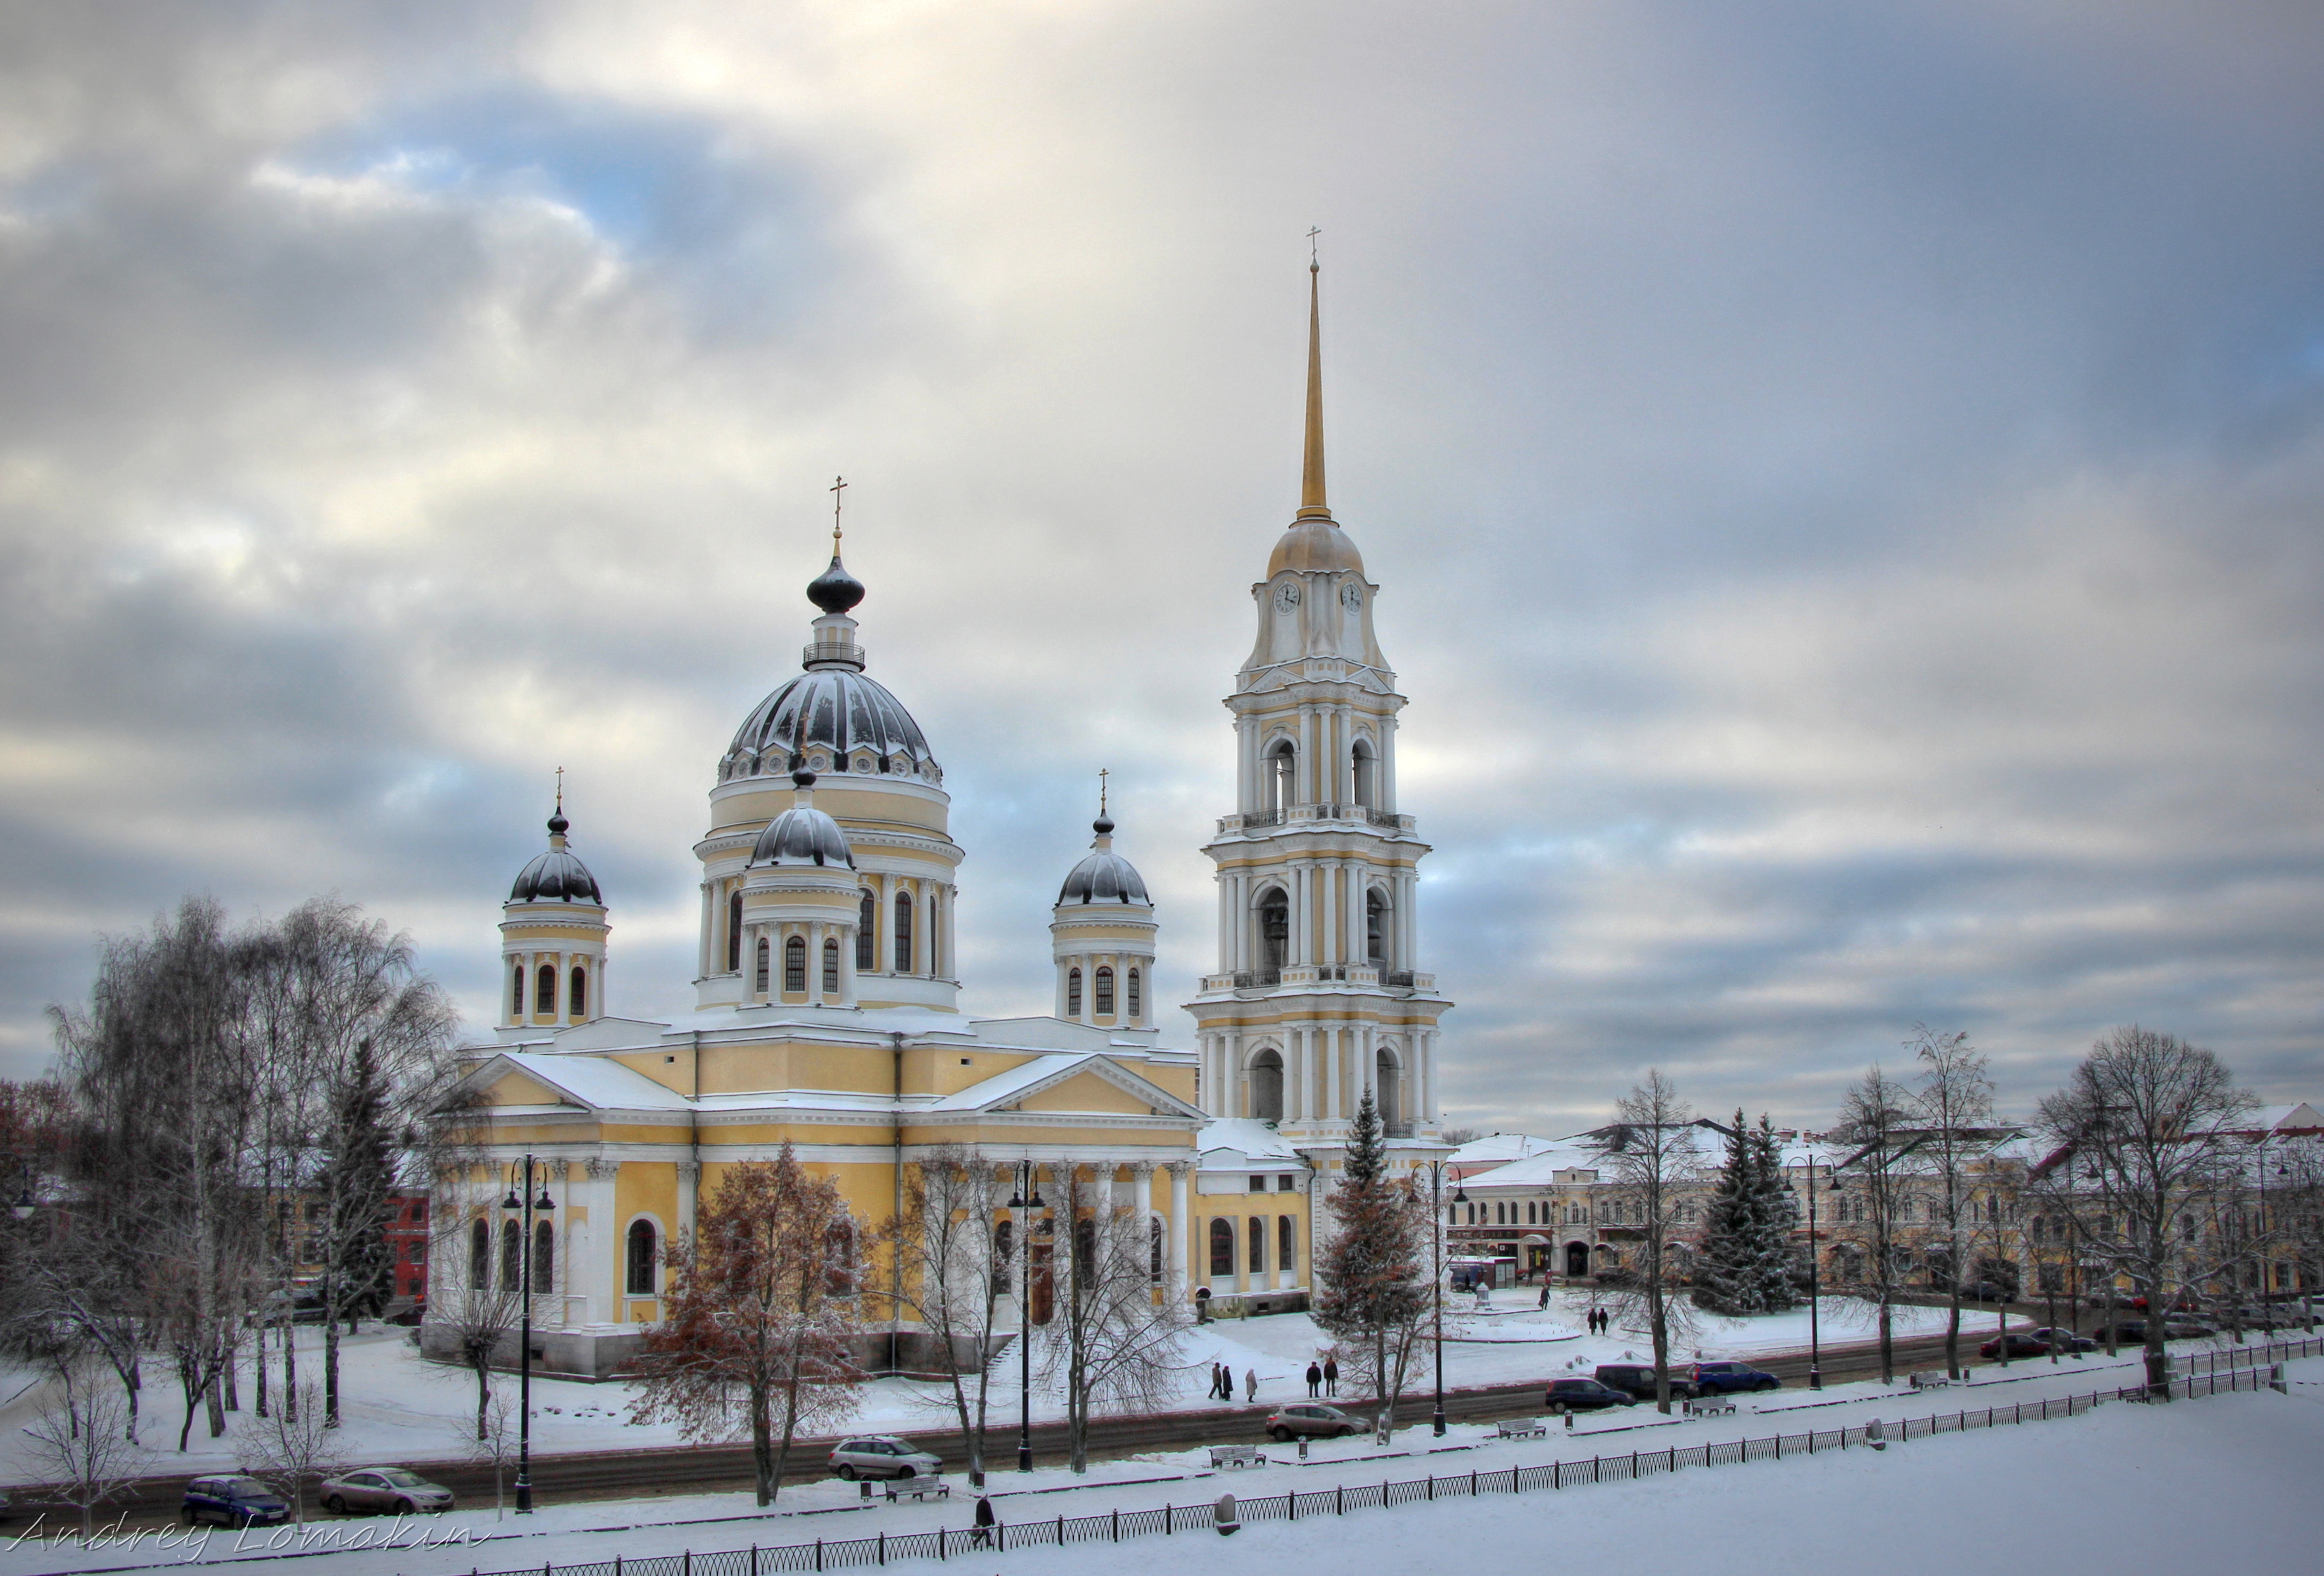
column 2240, row 1369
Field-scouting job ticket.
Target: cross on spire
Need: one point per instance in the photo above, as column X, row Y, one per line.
column 560, row 790
column 1102, row 774
column 838, row 490
column 1314, row 262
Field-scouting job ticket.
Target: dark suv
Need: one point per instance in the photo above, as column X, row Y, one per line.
column 233, row 1500
column 1725, row 1378
column 1583, row 1395
column 1637, row 1378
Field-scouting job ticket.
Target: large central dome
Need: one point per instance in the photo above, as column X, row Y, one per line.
column 830, row 720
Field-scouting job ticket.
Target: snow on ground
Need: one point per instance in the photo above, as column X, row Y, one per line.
column 2082, row 1492
column 399, row 1406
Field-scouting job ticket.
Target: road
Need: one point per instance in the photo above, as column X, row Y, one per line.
column 715, row 1469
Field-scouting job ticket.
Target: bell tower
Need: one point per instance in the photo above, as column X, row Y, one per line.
column 1319, row 994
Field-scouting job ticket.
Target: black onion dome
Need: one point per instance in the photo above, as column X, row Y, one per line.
column 851, row 718
column 803, row 835
column 556, row 876
column 835, row 590
column 1104, row 876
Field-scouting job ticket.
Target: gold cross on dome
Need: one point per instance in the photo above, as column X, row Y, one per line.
column 1102, row 774
column 560, row 790
column 838, row 490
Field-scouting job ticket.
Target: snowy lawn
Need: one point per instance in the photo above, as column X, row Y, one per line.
column 399, row 1406
column 2117, row 1453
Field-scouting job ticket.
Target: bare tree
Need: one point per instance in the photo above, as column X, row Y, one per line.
column 492, row 1443
column 295, row 1447
column 957, row 1271
column 765, row 1305
column 1375, row 1297
column 2150, row 1118
column 1875, row 1122
column 1113, row 1344
column 1953, row 1109
column 1650, row 1157
column 79, row 1447
column 476, row 1308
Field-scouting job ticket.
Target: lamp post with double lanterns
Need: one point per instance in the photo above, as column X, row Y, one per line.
column 1025, row 1199
column 1436, row 1238
column 1815, row 1276
column 521, row 1202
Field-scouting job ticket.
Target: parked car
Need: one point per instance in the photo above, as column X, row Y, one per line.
column 1725, row 1378
column 1309, row 1419
column 2021, row 1344
column 2063, row 1339
column 1584, row 1395
column 392, row 1490
column 2126, row 1331
column 1987, row 1291
column 300, row 1304
column 233, row 1501
column 1637, row 1378
column 880, row 1455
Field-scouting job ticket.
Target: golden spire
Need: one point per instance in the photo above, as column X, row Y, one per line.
column 1310, row 473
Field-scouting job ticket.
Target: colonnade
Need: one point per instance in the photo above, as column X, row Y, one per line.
column 1327, row 899
column 1326, row 1068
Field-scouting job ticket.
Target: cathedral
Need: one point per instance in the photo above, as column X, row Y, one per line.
column 827, row 1010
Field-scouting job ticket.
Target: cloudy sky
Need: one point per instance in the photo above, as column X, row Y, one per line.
column 1845, row 483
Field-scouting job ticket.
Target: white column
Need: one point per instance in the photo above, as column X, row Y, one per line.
column 846, row 967
column 1386, row 767
column 1327, row 881
column 603, row 1275
column 1307, row 777
column 1226, row 924
column 689, row 1188
column 703, row 960
column 814, row 962
column 1180, row 1225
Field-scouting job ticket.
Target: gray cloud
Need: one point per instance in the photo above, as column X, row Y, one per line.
column 1844, row 484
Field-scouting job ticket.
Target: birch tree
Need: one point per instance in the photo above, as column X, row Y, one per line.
column 1649, row 1158
column 1874, row 1115
column 957, row 1268
column 80, row 1450
column 1111, row 1344
column 1953, row 1108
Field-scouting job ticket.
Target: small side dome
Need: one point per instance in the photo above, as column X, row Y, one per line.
column 835, row 590
column 803, row 835
column 557, row 876
column 1104, row 876
column 1313, row 546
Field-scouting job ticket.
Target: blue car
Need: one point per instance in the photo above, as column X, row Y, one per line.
column 234, row 1501
column 1726, row 1378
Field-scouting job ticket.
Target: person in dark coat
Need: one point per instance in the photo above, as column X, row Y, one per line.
column 981, row 1538
column 1314, row 1381
column 1330, row 1376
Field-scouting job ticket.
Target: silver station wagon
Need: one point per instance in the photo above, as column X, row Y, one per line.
column 880, row 1455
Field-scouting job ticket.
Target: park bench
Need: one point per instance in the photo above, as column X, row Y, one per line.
column 916, row 1489
column 1707, row 1405
column 1521, row 1428
column 1926, row 1379
column 1237, row 1455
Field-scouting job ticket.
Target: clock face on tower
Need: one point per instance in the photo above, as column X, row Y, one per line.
column 1287, row 596
column 1354, row 595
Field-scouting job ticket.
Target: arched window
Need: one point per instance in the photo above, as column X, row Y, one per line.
column 795, row 966
column 1376, row 928
column 1386, row 1081
column 640, row 1281
column 1221, row 1248
column 512, row 1256
column 580, row 994
column 1287, row 1243
column 1085, row 1251
column 544, row 1257
column 1282, row 777
column 1258, row 1236
column 936, row 935
column 903, row 961
column 516, row 991
column 867, row 931
column 1274, row 930
column 1367, row 778
column 760, row 984
column 1104, row 991
column 1135, row 1005
column 1266, row 1087
column 480, row 1256
column 831, row 966
column 839, row 1259
column 544, row 991
column 1154, row 1250
column 734, row 934
column 1004, row 1250
column 1073, row 993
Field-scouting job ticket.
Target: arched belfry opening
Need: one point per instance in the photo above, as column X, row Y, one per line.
column 1365, row 772
column 1266, row 1087
column 1274, row 930
column 1376, row 928
column 1282, row 778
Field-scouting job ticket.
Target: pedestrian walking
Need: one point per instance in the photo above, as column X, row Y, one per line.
column 1315, row 1380
column 981, row 1538
column 1332, row 1376
column 1544, row 1291
column 1250, row 1384
column 1218, row 1390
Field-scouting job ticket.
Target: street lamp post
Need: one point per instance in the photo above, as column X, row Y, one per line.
column 520, row 1201
column 1815, row 1287
column 1027, row 1198
column 1436, row 1240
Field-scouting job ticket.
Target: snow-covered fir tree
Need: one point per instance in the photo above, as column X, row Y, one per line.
column 1746, row 1263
